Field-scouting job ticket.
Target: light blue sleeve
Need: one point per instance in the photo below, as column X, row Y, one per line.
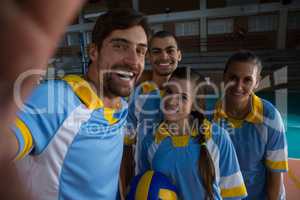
column 43, row 113
column 276, row 148
column 231, row 181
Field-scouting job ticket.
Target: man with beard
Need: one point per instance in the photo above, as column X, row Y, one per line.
column 68, row 136
column 144, row 110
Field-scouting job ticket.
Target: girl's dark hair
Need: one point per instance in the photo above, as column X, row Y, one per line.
column 206, row 165
column 243, row 56
column 119, row 18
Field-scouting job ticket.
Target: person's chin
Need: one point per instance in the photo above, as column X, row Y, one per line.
column 165, row 71
column 237, row 98
column 125, row 92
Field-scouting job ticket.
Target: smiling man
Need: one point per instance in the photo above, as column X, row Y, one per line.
column 68, row 137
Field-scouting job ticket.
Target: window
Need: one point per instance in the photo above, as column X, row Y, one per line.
column 294, row 21
column 219, row 26
column 187, row 28
column 73, row 39
column 262, row 23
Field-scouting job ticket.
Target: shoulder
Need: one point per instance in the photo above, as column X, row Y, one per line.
column 270, row 111
column 51, row 91
column 219, row 135
column 272, row 117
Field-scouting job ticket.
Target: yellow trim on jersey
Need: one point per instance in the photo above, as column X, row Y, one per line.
column 84, row 91
column 143, row 186
column 181, row 140
column 161, row 133
column 165, row 194
column 28, row 143
column 148, row 87
column 108, row 114
column 129, row 140
column 234, row 192
column 255, row 116
column 277, row 165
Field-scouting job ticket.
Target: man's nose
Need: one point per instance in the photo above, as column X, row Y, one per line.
column 131, row 57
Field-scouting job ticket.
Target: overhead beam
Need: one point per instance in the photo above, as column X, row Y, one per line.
column 198, row 14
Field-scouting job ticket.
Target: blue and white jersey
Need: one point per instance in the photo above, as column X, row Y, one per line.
column 178, row 158
column 143, row 116
column 260, row 144
column 70, row 145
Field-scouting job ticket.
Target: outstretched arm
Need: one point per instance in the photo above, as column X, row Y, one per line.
column 30, row 31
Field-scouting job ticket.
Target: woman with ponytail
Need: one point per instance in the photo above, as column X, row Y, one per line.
column 195, row 154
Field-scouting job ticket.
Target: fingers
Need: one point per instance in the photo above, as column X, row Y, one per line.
column 53, row 15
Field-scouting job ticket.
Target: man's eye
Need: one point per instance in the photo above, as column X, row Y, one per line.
column 120, row 46
column 171, row 51
column 141, row 51
column 168, row 91
column 248, row 80
column 184, row 97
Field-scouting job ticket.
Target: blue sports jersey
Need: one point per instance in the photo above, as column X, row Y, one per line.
column 143, row 116
column 178, row 158
column 74, row 143
column 260, row 144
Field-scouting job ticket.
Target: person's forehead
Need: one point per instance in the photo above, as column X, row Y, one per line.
column 135, row 35
column 164, row 42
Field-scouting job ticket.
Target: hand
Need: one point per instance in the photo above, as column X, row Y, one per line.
column 30, row 31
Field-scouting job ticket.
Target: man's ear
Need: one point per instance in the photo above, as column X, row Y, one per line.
column 257, row 81
column 93, row 52
column 179, row 55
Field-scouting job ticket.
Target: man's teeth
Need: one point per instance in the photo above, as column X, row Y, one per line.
column 125, row 75
column 164, row 64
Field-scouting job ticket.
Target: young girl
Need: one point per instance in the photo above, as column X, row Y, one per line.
column 197, row 155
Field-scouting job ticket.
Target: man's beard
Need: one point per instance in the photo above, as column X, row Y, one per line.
column 113, row 89
column 164, row 73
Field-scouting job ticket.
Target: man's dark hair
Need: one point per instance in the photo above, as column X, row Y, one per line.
column 163, row 34
column 121, row 18
column 244, row 56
